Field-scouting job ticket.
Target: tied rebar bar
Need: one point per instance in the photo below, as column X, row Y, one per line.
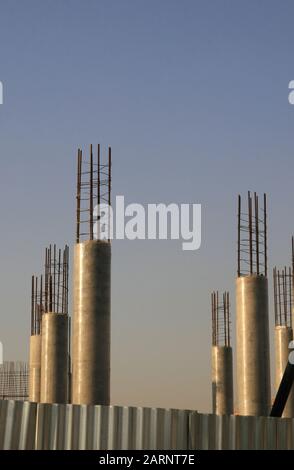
column 283, row 296
column 252, row 237
column 50, row 292
column 221, row 322
column 93, row 191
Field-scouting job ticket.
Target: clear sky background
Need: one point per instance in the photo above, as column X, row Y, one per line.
column 192, row 96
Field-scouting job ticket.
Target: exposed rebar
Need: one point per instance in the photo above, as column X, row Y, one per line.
column 221, row 322
column 36, row 306
column 283, row 283
column 52, row 294
column 57, row 269
column 93, row 187
column 252, row 237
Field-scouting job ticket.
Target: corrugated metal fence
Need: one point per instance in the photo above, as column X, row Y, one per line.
column 26, row 425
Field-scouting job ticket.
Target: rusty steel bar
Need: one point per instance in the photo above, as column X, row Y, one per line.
column 109, row 190
column 58, row 280
column 67, row 274
column 279, row 297
column 256, row 232
column 285, row 295
column 91, row 192
column 225, row 317
column 32, row 306
column 79, row 177
column 212, row 318
column 36, row 302
column 98, row 174
column 63, row 283
column 54, row 278
column 290, row 294
column 265, row 235
column 41, row 293
column 217, row 317
column 239, row 235
column 228, row 317
column 46, row 280
column 250, row 232
column 275, row 294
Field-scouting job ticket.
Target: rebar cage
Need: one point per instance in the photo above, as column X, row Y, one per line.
column 50, row 293
column 93, row 189
column 221, row 322
column 283, row 300
column 252, row 237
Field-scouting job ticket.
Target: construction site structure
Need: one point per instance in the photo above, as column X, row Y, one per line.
column 222, row 356
column 283, row 301
column 252, row 318
column 92, row 283
column 35, row 341
column 55, row 328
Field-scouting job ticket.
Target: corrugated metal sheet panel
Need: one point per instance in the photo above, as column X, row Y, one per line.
column 17, row 425
column 109, row 428
column 240, row 432
column 26, row 425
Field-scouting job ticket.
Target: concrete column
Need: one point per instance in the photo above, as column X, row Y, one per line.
column 222, row 380
column 54, row 369
column 91, row 323
column 253, row 350
column 35, row 368
column 283, row 336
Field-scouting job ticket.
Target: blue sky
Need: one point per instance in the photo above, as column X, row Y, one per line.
column 193, row 98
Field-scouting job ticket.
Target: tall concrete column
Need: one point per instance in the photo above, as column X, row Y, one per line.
column 253, row 350
column 91, row 323
column 35, row 368
column 222, row 380
column 54, row 365
column 283, row 336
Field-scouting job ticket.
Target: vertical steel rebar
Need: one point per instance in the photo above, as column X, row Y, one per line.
column 212, row 318
column 290, row 294
column 250, row 232
column 285, row 294
column 279, row 297
column 228, row 318
column 36, row 303
column 256, row 232
column 225, row 316
column 265, row 234
column 239, row 235
column 98, row 174
column 58, row 280
column 275, row 294
column 79, row 176
column 32, row 306
column 109, row 191
column 91, row 192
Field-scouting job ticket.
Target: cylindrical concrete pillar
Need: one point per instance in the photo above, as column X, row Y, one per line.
column 222, row 380
column 283, row 336
column 91, row 323
column 54, row 368
column 35, row 368
column 253, row 350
